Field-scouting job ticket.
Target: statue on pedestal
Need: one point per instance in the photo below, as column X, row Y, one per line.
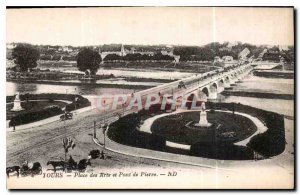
column 17, row 103
column 203, row 117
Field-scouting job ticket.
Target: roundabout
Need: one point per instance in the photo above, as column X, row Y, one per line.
column 246, row 133
column 225, row 128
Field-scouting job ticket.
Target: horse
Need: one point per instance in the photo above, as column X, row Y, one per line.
column 57, row 164
column 36, row 169
column 71, row 164
column 13, row 169
column 94, row 154
column 83, row 163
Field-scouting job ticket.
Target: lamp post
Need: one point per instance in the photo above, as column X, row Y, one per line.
column 104, row 128
column 95, row 130
column 124, row 104
column 104, row 118
column 104, row 138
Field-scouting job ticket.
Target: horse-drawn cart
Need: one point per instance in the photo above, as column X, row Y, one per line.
column 36, row 169
column 66, row 116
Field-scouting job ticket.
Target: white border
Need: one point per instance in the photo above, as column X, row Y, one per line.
column 5, row 3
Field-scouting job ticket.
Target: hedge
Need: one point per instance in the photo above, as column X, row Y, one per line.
column 47, row 112
column 271, row 142
column 268, row 144
column 124, row 131
column 45, row 96
column 30, row 117
column 80, row 103
column 222, row 151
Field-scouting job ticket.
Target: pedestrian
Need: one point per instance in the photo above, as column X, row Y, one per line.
column 102, row 155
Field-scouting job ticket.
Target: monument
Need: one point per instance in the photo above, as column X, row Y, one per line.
column 203, row 117
column 17, row 103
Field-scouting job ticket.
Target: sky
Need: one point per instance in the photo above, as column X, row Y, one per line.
column 150, row 25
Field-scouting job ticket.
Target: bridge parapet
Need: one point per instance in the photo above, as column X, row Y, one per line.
column 217, row 83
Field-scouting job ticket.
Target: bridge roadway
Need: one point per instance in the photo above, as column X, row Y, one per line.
column 200, row 82
column 209, row 84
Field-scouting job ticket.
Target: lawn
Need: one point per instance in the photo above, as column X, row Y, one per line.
column 31, row 106
column 226, row 128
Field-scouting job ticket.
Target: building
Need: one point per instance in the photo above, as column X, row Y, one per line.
column 132, row 50
column 167, row 52
column 227, row 58
column 67, row 48
column 217, row 59
column 11, row 45
column 230, row 45
column 123, row 52
column 283, row 47
column 176, row 58
column 243, row 54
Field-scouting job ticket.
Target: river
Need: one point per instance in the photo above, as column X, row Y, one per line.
column 132, row 72
column 13, row 87
column 265, row 85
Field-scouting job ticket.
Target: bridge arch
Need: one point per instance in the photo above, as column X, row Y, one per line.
column 215, row 85
column 221, row 82
column 205, row 91
column 191, row 97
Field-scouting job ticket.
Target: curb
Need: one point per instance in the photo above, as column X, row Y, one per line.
column 47, row 120
column 161, row 159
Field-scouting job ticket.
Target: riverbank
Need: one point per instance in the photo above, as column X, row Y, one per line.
column 83, row 83
column 187, row 67
column 194, row 67
column 274, row 74
column 258, row 95
column 72, row 75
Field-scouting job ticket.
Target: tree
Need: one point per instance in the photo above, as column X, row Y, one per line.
column 88, row 59
column 25, row 56
column 68, row 144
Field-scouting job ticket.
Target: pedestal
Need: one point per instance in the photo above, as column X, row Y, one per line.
column 203, row 120
column 17, row 106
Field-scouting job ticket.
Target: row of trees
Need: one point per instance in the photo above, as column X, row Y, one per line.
column 138, row 57
column 26, row 56
column 209, row 51
column 57, row 57
column 117, row 47
column 88, row 60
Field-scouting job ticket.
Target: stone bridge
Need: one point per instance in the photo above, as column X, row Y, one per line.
column 208, row 87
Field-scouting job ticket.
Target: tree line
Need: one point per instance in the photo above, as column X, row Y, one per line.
column 25, row 56
column 138, row 57
column 210, row 51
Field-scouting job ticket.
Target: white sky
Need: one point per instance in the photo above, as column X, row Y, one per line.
column 150, row 25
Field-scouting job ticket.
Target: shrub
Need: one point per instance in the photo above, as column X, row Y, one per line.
column 29, row 117
column 271, row 142
column 268, row 144
column 49, row 111
column 221, row 151
column 124, row 131
column 80, row 103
